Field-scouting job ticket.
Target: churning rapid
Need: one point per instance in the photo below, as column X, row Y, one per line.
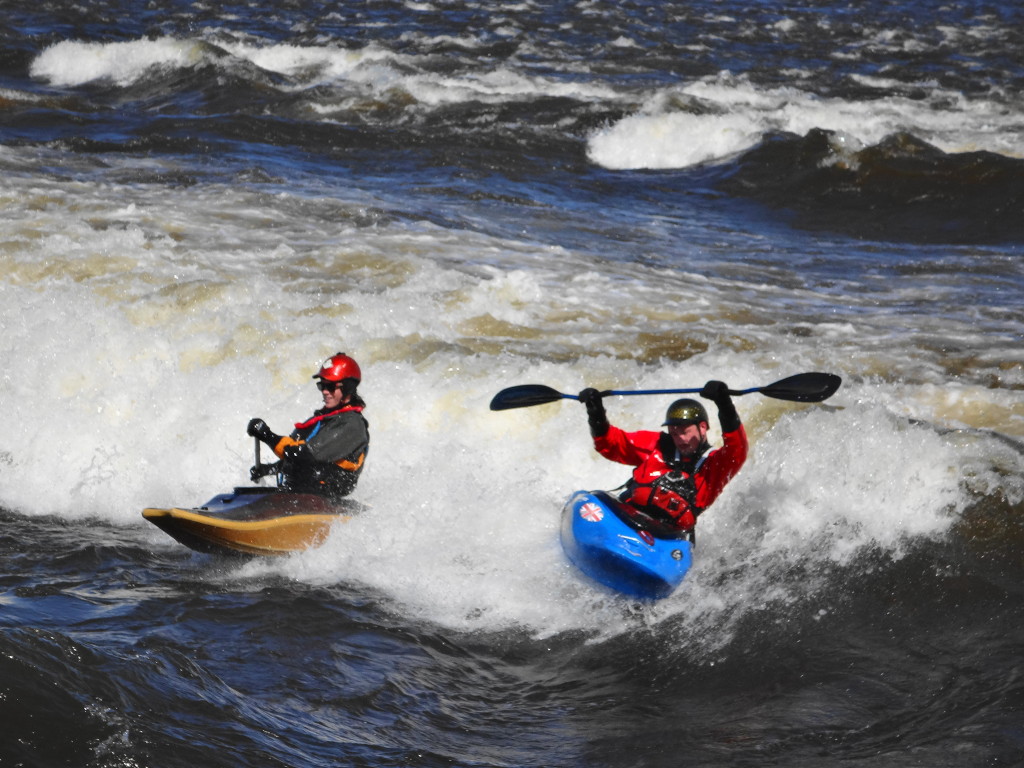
column 201, row 202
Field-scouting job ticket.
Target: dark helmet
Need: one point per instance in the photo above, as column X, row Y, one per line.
column 684, row 412
column 339, row 367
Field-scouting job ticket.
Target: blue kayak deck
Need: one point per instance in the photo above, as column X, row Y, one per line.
column 626, row 551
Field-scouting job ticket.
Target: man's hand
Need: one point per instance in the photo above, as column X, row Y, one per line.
column 258, row 428
column 262, row 470
column 715, row 391
column 596, row 415
column 718, row 393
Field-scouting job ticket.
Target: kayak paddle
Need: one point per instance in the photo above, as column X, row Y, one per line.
column 801, row 388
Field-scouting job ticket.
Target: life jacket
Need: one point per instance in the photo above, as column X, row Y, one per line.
column 337, row 478
column 664, row 488
column 305, row 430
column 315, row 421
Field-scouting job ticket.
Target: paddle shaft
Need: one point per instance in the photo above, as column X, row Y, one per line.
column 624, row 392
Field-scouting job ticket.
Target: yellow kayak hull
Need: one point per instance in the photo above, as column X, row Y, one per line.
column 254, row 522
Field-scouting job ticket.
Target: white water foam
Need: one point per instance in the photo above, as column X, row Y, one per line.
column 74, row 63
column 716, row 118
column 141, row 334
column 475, row 546
column 370, row 69
column 703, row 121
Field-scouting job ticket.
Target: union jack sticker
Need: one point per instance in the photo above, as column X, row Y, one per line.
column 592, row 512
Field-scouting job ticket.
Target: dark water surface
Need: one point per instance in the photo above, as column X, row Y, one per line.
column 125, row 657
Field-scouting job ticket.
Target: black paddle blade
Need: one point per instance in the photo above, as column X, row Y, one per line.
column 524, row 396
column 804, row 387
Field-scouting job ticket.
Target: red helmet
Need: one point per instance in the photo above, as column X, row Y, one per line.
column 338, row 367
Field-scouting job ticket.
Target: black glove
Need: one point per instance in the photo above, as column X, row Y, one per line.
column 718, row 393
column 596, row 415
column 715, row 391
column 297, row 453
column 262, row 470
column 258, row 428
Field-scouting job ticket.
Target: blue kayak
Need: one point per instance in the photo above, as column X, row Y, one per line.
column 624, row 549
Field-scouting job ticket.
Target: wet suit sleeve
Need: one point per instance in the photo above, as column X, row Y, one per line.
column 721, row 466
column 631, row 448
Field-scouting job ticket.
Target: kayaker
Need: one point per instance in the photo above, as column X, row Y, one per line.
column 326, row 453
column 677, row 475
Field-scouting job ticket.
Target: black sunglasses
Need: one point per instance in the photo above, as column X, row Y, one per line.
column 328, row 386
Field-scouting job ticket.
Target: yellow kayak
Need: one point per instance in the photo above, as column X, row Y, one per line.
column 254, row 521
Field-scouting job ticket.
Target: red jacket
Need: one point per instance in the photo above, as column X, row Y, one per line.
column 643, row 450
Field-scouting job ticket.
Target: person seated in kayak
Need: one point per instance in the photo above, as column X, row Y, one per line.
column 324, row 454
column 677, row 474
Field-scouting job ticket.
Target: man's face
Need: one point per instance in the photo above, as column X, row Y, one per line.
column 689, row 437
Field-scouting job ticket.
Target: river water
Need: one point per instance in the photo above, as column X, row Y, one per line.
column 203, row 200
